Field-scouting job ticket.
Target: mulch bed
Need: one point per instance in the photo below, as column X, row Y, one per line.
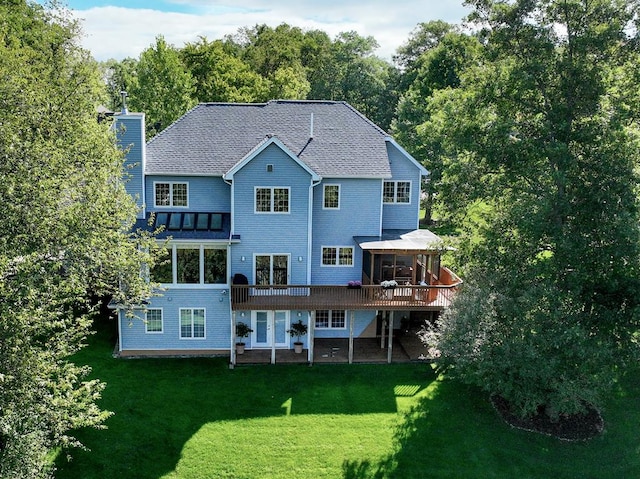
column 577, row 427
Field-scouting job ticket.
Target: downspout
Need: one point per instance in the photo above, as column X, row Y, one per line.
column 310, row 229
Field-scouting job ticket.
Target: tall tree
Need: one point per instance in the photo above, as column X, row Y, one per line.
column 164, row 89
column 539, row 134
column 222, row 76
column 445, row 55
column 66, row 234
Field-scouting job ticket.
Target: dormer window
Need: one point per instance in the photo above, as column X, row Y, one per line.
column 171, row 194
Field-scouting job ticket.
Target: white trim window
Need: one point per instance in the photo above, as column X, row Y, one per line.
column 337, row 256
column 191, row 264
column 153, row 321
column 331, row 319
column 169, row 193
column 397, row 192
column 272, row 199
column 331, row 197
column 192, row 323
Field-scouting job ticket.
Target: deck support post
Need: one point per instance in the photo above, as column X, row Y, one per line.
column 273, row 337
column 312, row 329
column 383, row 328
column 351, row 321
column 390, row 350
column 233, row 340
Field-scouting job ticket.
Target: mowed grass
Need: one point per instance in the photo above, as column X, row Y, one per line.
column 196, row 418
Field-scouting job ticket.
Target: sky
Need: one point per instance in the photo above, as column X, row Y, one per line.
column 124, row 28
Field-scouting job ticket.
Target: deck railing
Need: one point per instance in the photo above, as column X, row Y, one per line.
column 314, row 297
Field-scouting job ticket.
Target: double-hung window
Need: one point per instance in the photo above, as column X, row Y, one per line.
column 272, row 199
column 171, row 194
column 330, row 319
column 337, row 256
column 398, row 192
column 153, row 320
column 192, row 322
column 331, row 199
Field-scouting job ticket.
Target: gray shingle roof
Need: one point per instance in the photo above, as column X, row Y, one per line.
column 212, row 137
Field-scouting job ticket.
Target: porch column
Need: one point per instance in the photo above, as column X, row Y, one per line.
column 312, row 329
column 233, row 340
column 273, row 337
column 351, row 321
column 390, row 350
column 383, row 328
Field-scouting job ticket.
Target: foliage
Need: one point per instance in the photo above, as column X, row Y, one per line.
column 298, row 330
column 66, row 222
column 538, row 134
column 243, row 330
column 164, row 89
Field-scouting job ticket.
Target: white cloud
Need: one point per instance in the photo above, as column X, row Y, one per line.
column 117, row 32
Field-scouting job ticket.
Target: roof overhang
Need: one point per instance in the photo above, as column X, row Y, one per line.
column 402, row 241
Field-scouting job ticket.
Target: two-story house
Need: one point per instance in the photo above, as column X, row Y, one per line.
column 268, row 212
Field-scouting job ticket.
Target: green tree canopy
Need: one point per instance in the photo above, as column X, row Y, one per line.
column 164, row 89
column 538, row 138
column 66, row 234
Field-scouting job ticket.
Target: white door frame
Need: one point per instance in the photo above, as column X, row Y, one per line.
column 270, row 333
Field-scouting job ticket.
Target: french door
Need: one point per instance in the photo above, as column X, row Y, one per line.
column 270, row 329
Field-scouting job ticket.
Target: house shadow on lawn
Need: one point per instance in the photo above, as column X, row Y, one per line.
column 455, row 433
column 159, row 405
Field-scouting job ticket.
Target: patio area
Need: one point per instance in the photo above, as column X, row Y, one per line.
column 406, row 348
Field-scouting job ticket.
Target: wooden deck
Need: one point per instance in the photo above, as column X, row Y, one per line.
column 314, row 297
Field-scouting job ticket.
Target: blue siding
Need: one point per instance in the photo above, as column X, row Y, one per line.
column 130, row 137
column 359, row 215
column 403, row 216
column 271, row 233
column 217, row 322
column 206, row 194
column 362, row 320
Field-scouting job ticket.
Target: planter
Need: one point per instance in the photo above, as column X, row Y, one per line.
column 297, row 348
column 387, row 293
column 239, row 348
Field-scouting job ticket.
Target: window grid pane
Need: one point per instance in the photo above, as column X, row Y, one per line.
column 163, row 197
column 329, row 256
column 198, row 323
column 179, row 194
column 154, row 321
column 337, row 319
column 281, row 200
column 322, row 318
column 346, row 256
column 389, row 192
column 186, row 323
column 403, row 192
column 263, row 199
column 331, row 196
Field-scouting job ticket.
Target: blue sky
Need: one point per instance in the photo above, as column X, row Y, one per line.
column 123, row 28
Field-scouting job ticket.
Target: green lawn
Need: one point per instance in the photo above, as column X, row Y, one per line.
column 195, row 418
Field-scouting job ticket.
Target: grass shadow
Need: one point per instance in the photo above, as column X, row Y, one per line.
column 455, row 433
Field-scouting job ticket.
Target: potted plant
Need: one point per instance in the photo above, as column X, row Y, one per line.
column 354, row 285
column 388, row 286
column 242, row 331
column 298, row 330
